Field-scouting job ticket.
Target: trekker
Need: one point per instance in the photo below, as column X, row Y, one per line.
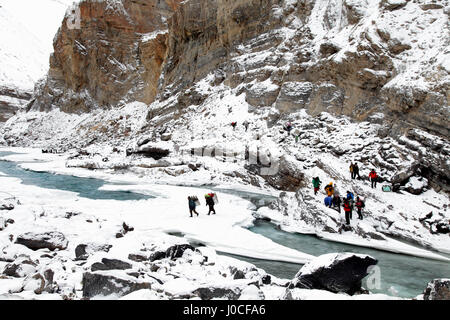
column 351, row 200
column 352, row 170
column 316, row 183
column 356, row 171
column 337, row 202
column 233, row 124
column 192, row 205
column 329, row 189
column 373, row 177
column 288, row 127
column 328, row 202
column 210, row 202
column 348, row 210
column 246, row 123
column 359, row 205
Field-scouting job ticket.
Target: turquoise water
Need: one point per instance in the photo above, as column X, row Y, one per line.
column 408, row 275
column 84, row 187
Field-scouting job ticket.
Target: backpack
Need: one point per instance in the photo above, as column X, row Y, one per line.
column 386, row 188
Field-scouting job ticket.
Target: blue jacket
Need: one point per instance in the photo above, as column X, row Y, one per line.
column 350, row 196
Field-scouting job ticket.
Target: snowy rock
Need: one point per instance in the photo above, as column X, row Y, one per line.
column 416, row 185
column 177, row 251
column 155, row 150
column 329, row 48
column 110, row 264
column 335, row 272
column 208, row 293
column 438, row 289
column 95, row 284
column 49, row 240
column 20, row 268
column 393, row 4
column 36, row 283
column 6, row 205
column 82, row 251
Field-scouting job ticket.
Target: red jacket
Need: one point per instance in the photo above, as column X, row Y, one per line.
column 373, row 175
column 347, row 207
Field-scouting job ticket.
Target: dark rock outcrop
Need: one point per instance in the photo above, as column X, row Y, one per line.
column 47, row 240
column 208, row 293
column 335, row 272
column 99, row 284
column 82, row 251
column 110, row 264
column 438, row 289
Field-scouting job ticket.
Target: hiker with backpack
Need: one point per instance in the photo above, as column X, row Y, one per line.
column 193, row 201
column 373, row 177
column 233, row 124
column 288, row 128
column 347, row 210
column 329, row 189
column 352, row 170
column 350, row 198
column 210, row 202
column 246, row 124
column 356, row 171
column 316, row 183
column 328, row 201
column 359, row 205
column 337, row 202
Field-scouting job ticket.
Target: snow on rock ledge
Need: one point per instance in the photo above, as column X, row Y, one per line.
column 50, row 240
column 438, row 289
column 335, row 272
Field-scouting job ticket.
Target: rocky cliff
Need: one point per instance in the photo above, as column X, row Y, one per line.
column 383, row 61
column 115, row 55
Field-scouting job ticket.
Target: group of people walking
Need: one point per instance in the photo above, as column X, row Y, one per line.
column 211, row 200
column 348, row 203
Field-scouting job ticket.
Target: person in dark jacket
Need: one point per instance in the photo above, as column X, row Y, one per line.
column 373, row 177
column 233, row 124
column 337, row 202
column 356, row 171
column 359, row 205
column 352, row 170
column 192, row 205
column 210, row 203
column 348, row 210
column 316, row 184
column 351, row 200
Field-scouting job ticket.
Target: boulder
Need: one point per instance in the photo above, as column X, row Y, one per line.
column 438, row 289
column 111, row 264
column 48, row 240
column 416, row 185
column 155, row 150
column 105, row 285
column 83, row 251
column 208, row 293
column 178, row 250
column 335, row 272
column 35, row 283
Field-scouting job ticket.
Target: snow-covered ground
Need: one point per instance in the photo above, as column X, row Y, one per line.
column 154, row 220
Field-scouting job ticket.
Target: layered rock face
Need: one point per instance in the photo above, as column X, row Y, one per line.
column 380, row 61
column 114, row 56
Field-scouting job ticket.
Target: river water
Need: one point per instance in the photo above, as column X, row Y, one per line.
column 401, row 275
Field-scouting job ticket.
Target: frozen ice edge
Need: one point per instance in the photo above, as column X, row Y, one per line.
column 56, row 164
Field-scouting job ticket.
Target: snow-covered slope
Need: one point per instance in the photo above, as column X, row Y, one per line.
column 27, row 29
